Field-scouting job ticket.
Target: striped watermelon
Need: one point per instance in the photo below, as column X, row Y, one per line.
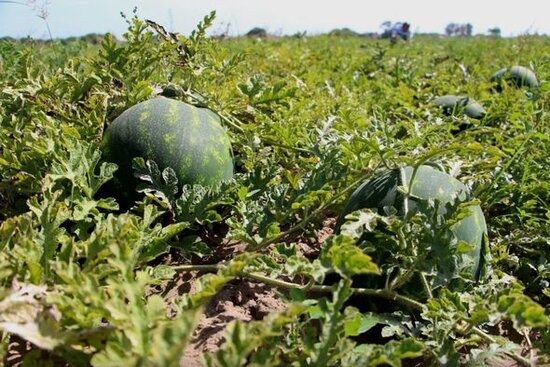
column 174, row 134
column 428, row 183
column 455, row 104
column 517, row 75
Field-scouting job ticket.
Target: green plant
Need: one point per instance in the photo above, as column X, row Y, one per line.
column 87, row 280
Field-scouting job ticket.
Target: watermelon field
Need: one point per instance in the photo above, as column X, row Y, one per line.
column 327, row 200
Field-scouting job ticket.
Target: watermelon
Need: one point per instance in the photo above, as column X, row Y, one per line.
column 171, row 91
column 381, row 192
column 453, row 104
column 174, row 134
column 517, row 75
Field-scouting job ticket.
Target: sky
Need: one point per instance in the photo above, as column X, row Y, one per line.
column 78, row 17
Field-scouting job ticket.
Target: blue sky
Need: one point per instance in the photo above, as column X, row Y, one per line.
column 78, row 17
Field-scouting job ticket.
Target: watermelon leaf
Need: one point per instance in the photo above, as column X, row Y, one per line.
column 162, row 188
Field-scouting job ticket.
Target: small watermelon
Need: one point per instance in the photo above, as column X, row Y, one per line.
column 171, row 91
column 460, row 104
column 517, row 75
column 174, row 134
column 429, row 183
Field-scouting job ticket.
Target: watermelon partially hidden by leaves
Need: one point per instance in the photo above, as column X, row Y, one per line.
column 517, row 75
column 173, row 134
column 382, row 192
column 460, row 104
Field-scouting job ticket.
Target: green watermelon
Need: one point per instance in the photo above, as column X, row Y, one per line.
column 174, row 134
column 517, row 75
column 429, row 183
column 171, row 91
column 453, row 104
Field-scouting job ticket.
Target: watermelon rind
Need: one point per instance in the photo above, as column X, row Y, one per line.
column 174, row 134
column 452, row 105
column 517, row 75
column 382, row 191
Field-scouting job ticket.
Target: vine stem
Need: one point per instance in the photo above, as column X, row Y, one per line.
column 231, row 123
column 478, row 192
column 300, row 225
column 382, row 293
column 426, row 285
column 489, row 338
column 47, row 27
column 528, row 339
column 297, row 149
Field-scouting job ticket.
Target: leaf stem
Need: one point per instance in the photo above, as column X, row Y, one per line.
column 297, row 149
column 480, row 191
column 426, row 285
column 231, row 123
column 205, row 268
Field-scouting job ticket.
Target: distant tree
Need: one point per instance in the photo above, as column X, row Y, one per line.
column 450, row 29
column 495, row 32
column 301, row 34
column 372, row 35
column 456, row 29
column 346, row 32
column 257, row 32
column 93, row 38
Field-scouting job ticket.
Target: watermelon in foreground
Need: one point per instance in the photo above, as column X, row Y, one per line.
column 174, row 134
column 428, row 183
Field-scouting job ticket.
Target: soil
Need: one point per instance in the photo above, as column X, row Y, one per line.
column 241, row 299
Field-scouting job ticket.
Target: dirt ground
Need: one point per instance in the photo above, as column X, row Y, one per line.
column 241, row 299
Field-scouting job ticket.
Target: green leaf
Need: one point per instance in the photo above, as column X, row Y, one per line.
column 362, row 221
column 200, row 204
column 523, row 311
column 346, row 258
column 360, row 324
column 392, row 353
column 161, row 187
column 448, row 356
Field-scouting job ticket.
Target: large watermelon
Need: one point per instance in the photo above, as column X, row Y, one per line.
column 460, row 104
column 517, row 75
column 428, row 183
column 174, row 134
